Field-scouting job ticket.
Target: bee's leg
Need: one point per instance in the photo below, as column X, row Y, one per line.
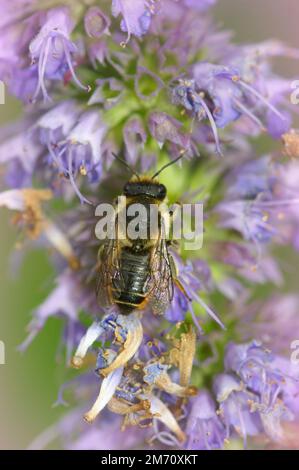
column 174, row 210
column 177, row 282
column 173, row 215
column 182, row 288
column 100, row 252
column 174, row 244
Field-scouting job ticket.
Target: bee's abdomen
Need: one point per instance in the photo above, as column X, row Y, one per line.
column 134, row 271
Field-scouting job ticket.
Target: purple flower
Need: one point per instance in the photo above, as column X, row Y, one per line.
column 250, row 207
column 23, row 83
column 286, row 202
column 98, row 52
column 64, row 301
column 247, row 262
column 270, row 203
column 248, row 219
column 267, row 377
column 16, row 175
column 277, row 126
column 272, row 321
column 234, row 254
column 166, row 129
column 218, row 93
column 251, row 179
column 55, row 124
column 136, row 16
column 200, row 5
column 178, row 308
column 204, row 429
column 20, row 150
column 195, row 101
column 99, row 436
column 180, row 303
column 12, row 12
column 96, row 23
column 79, row 153
column 134, row 138
column 189, row 275
column 234, row 407
column 51, row 53
column 46, row 36
column 75, row 434
column 232, row 288
column 16, row 34
column 290, row 391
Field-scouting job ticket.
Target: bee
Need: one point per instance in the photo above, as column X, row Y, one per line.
column 134, row 274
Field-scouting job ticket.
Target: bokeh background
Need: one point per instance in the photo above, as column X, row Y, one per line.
column 29, row 382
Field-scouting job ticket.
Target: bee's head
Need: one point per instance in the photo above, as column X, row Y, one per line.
column 144, row 186
column 147, row 188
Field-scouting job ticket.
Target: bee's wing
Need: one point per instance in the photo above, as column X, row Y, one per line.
column 160, row 282
column 109, row 281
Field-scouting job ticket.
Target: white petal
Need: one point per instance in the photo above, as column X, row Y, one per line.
column 131, row 344
column 91, row 335
column 166, row 417
column 58, row 239
column 13, row 199
column 107, row 391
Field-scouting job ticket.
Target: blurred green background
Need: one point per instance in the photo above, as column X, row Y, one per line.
column 29, row 382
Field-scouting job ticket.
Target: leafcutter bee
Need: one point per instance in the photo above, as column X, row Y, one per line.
column 134, row 274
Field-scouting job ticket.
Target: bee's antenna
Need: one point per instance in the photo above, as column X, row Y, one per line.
column 125, row 164
column 169, row 164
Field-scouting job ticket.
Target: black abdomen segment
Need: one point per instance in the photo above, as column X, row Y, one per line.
column 134, row 271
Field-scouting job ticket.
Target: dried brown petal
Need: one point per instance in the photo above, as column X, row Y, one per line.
column 291, row 144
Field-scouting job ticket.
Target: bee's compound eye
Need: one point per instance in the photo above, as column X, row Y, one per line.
column 126, row 189
column 162, row 191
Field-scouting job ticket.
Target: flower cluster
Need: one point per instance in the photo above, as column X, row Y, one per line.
column 150, row 81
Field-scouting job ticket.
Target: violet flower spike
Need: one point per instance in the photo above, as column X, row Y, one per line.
column 52, row 50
